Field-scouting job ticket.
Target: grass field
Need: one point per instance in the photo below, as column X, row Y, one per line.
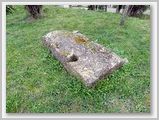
column 37, row 82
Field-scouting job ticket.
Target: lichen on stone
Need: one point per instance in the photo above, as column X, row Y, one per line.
column 80, row 39
column 64, row 53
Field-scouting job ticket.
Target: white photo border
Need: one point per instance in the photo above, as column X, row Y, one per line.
column 153, row 64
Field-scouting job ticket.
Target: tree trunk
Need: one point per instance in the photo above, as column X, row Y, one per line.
column 97, row 7
column 105, row 8
column 119, row 7
column 34, row 10
column 124, row 15
column 136, row 10
column 91, row 7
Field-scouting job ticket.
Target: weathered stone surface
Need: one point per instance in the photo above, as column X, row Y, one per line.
column 82, row 57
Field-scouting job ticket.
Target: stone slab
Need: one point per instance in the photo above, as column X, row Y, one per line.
column 84, row 58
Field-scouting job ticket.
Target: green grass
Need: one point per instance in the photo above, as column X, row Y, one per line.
column 37, row 82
